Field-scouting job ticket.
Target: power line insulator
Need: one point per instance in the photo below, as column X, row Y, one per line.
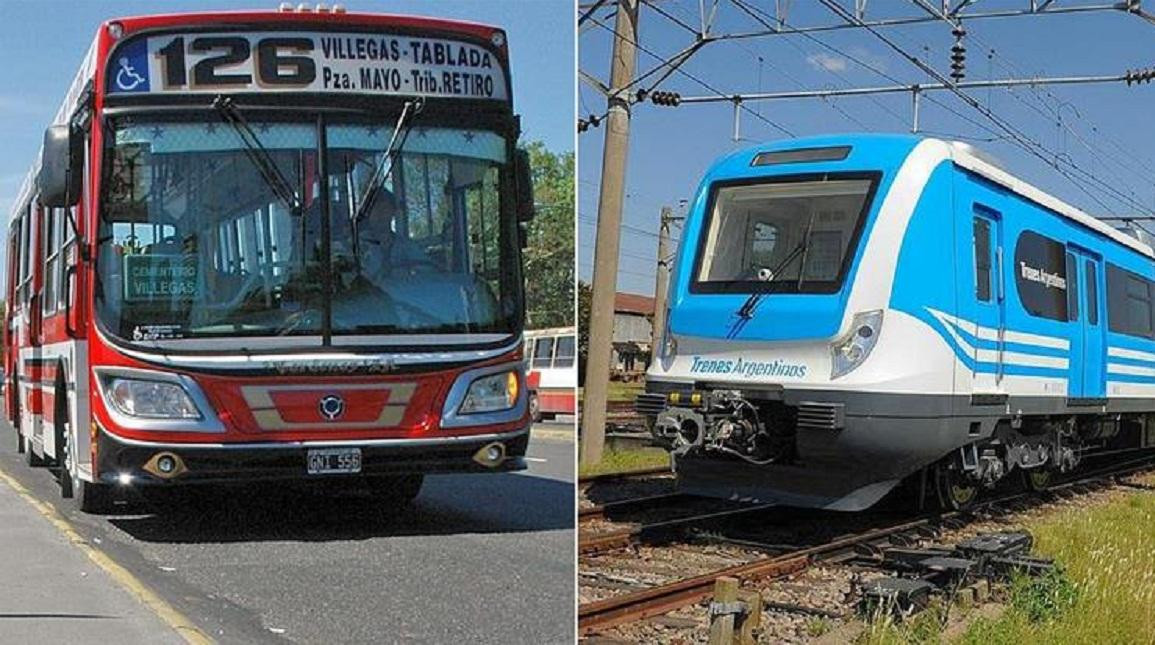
column 642, row 94
column 1136, row 76
column 958, row 54
column 667, row 99
column 583, row 125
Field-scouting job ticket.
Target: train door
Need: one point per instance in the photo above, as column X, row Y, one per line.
column 990, row 299
column 1088, row 378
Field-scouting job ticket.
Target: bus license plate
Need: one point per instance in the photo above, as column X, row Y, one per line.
column 325, row 461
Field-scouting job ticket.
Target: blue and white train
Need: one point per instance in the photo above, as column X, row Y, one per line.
column 848, row 312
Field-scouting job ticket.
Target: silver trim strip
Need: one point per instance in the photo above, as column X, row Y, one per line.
column 283, row 445
column 301, row 358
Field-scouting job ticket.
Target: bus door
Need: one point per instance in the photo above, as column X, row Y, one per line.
column 32, row 355
column 1087, row 363
column 990, row 300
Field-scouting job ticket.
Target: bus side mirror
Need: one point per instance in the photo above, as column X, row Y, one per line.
column 523, row 175
column 61, row 165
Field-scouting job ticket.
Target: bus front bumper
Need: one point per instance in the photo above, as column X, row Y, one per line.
column 130, row 462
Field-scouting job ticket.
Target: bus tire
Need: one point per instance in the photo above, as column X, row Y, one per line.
column 89, row 497
column 397, row 490
column 30, row 457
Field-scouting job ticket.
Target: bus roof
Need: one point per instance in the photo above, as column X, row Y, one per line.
column 134, row 24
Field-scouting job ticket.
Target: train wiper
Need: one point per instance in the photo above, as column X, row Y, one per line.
column 258, row 154
column 396, row 143
column 746, row 311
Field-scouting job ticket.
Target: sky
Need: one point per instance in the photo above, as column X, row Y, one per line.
column 43, row 42
column 1104, row 130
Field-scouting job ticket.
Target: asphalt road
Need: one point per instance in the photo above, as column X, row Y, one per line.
column 477, row 559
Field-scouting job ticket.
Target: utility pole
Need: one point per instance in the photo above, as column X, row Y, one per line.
column 661, row 283
column 607, row 246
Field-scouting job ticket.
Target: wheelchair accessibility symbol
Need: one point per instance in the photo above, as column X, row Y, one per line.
column 127, row 79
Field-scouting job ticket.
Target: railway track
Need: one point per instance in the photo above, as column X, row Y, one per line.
column 865, row 546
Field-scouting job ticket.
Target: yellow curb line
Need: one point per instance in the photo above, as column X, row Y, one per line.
column 182, row 625
column 567, row 435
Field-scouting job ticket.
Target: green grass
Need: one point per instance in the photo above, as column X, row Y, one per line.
column 625, row 461
column 620, row 391
column 1103, row 591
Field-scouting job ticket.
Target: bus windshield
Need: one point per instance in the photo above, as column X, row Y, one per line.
column 196, row 242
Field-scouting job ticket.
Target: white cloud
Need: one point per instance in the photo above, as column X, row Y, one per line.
column 827, row 62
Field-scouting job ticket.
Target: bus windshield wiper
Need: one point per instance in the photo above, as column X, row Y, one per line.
column 396, row 143
column 258, row 154
column 746, row 311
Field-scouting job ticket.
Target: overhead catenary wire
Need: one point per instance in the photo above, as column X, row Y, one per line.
column 1024, row 141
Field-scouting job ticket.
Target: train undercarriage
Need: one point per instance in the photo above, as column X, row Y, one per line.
column 849, row 462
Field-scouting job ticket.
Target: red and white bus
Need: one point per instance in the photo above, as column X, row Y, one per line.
column 273, row 245
column 552, row 375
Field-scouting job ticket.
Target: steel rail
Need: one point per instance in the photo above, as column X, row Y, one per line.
column 661, row 599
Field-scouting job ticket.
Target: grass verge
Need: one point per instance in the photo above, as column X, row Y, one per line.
column 1104, row 591
column 625, row 461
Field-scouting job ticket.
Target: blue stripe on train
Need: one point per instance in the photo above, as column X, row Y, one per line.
column 1010, row 369
column 1021, row 348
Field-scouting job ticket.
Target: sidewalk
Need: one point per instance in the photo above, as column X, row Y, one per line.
column 50, row 591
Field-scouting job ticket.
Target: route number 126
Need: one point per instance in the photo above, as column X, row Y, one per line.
column 278, row 62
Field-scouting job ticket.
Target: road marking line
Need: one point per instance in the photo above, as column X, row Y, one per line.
column 541, row 433
column 181, row 624
column 538, row 460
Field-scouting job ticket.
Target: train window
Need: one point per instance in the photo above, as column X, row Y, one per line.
column 982, row 234
column 542, row 352
column 786, row 235
column 565, row 352
column 1092, row 294
column 1072, row 288
column 1041, row 275
column 1129, row 303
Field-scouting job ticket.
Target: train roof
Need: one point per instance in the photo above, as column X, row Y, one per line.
column 888, row 151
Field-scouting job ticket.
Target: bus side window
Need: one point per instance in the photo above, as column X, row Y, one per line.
column 542, row 352
column 563, row 357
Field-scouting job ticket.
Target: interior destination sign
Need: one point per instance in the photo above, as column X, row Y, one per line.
column 330, row 63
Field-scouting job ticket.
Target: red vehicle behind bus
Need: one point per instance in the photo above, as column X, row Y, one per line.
column 552, row 376
column 273, row 245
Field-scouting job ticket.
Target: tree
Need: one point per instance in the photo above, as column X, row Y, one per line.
column 549, row 256
column 585, row 298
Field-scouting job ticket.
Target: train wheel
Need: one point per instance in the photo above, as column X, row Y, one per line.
column 1037, row 479
column 956, row 490
column 534, row 408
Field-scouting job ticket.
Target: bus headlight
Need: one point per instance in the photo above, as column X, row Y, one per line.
column 851, row 349
column 491, row 393
column 150, row 399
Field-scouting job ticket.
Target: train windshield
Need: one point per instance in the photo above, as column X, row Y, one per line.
column 794, row 236
column 203, row 235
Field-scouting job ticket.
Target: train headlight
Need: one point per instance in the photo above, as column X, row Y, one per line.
column 851, row 349
column 491, row 393
column 150, row 399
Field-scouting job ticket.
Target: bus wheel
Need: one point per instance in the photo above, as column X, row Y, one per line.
column 30, row 456
column 89, row 497
column 397, row 490
column 534, row 408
